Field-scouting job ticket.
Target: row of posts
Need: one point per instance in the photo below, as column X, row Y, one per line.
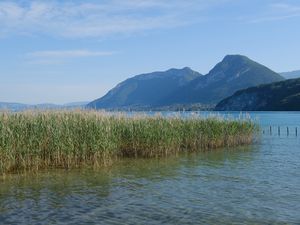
column 279, row 131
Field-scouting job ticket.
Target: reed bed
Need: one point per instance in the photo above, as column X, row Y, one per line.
column 36, row 140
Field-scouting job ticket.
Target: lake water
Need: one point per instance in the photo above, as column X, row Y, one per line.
column 258, row 184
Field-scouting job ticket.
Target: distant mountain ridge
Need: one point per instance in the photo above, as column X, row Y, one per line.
column 145, row 90
column 20, row 106
column 187, row 87
column 175, row 89
column 291, row 75
column 279, row 96
column 12, row 106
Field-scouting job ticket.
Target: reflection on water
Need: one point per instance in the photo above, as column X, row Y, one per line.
column 257, row 184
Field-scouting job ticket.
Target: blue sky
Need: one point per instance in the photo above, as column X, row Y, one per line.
column 74, row 50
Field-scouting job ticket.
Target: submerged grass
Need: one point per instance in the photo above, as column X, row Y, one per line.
column 36, row 140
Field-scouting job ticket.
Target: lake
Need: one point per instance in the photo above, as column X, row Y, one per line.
column 258, row 184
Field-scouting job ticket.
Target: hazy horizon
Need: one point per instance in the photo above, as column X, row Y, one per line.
column 72, row 51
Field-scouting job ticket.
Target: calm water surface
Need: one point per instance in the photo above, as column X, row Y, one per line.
column 258, row 184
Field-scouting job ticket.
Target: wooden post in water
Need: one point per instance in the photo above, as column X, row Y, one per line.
column 296, row 131
column 270, row 130
column 278, row 130
column 287, row 131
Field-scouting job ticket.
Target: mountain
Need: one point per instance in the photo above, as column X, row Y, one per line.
column 13, row 106
column 279, row 96
column 145, row 90
column 233, row 73
column 75, row 104
column 291, row 75
column 45, row 106
column 184, row 87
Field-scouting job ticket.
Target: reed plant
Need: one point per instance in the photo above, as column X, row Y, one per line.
column 35, row 140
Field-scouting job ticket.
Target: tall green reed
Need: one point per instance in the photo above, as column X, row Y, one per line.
column 35, row 140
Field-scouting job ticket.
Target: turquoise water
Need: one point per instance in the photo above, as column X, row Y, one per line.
column 258, row 184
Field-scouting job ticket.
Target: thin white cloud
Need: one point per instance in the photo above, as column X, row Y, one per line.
column 285, row 8
column 97, row 19
column 68, row 54
column 60, row 56
column 278, row 11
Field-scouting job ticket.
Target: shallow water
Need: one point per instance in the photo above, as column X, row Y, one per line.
column 258, row 184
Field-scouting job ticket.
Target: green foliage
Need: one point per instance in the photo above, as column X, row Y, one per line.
column 35, row 140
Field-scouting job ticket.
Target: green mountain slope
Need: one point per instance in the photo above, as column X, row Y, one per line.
column 145, row 90
column 235, row 72
column 279, row 96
